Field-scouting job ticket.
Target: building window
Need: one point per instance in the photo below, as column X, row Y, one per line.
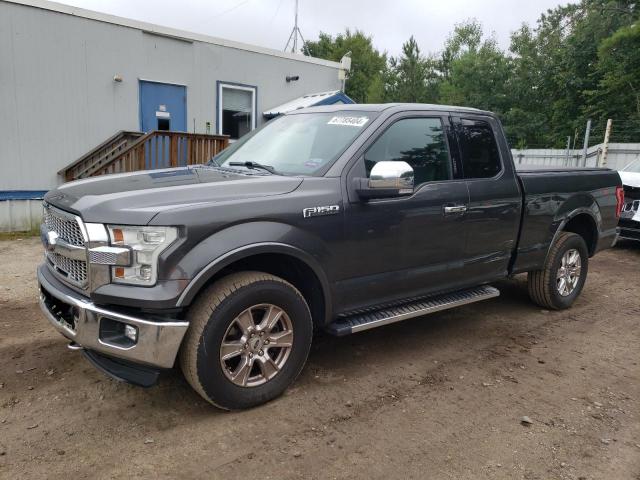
column 236, row 109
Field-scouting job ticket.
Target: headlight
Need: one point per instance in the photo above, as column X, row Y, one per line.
column 146, row 244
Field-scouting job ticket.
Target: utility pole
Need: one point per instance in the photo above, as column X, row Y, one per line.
column 293, row 38
column 586, row 143
column 566, row 160
column 605, row 146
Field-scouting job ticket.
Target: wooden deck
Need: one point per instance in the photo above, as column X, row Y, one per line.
column 130, row 151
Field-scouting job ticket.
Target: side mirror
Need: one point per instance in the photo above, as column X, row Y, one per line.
column 387, row 180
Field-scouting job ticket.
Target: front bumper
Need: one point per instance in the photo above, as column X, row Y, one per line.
column 79, row 320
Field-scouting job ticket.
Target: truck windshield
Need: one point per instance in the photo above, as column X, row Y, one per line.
column 300, row 144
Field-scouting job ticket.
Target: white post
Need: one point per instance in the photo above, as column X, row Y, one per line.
column 586, row 143
column 605, row 146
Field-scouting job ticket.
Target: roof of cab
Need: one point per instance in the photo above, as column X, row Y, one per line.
column 380, row 107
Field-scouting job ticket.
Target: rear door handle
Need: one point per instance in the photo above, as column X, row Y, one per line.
column 455, row 209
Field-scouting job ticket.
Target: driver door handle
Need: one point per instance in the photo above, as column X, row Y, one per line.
column 455, row 209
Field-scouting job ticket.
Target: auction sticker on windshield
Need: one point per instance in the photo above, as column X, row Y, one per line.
column 348, row 121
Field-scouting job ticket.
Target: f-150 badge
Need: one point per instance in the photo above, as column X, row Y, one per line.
column 319, row 211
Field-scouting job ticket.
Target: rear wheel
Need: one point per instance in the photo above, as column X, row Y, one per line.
column 248, row 339
column 560, row 282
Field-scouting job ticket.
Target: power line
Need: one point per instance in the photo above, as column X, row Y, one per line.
column 276, row 14
column 229, row 10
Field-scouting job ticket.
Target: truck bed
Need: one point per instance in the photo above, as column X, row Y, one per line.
column 549, row 194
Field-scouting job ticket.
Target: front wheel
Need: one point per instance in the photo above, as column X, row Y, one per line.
column 248, row 339
column 560, row 281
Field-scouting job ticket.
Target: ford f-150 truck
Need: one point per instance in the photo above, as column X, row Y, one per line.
column 338, row 218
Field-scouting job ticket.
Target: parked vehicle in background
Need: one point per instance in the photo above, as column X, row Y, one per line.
column 340, row 218
column 630, row 216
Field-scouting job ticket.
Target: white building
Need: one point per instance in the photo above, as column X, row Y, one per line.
column 70, row 78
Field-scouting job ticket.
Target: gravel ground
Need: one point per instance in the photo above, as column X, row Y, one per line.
column 437, row 397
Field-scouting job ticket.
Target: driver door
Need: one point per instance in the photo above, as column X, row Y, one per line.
column 406, row 246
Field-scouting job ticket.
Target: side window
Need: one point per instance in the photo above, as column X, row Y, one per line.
column 480, row 156
column 418, row 141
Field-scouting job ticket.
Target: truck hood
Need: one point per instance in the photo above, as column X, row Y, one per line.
column 135, row 198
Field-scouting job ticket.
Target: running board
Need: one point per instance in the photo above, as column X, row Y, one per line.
column 364, row 321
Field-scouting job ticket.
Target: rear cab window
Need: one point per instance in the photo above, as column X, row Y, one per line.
column 480, row 153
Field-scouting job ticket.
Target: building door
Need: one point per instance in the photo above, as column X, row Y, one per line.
column 162, row 107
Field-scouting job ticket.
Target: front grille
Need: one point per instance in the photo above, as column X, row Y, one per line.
column 632, row 206
column 64, row 224
column 67, row 227
column 73, row 270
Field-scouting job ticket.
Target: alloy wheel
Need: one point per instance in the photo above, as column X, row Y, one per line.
column 568, row 274
column 256, row 345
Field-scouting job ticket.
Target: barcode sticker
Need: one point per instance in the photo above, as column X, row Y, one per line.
column 349, row 121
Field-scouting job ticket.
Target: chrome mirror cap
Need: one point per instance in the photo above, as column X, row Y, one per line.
column 397, row 175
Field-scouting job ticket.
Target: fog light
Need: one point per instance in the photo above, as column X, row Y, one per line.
column 117, row 334
column 131, row 333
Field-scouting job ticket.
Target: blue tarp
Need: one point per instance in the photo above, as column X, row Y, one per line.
column 22, row 195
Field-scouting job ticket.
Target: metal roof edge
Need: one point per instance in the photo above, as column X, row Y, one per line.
column 166, row 31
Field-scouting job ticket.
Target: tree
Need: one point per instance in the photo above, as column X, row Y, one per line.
column 364, row 82
column 580, row 61
column 563, row 55
column 618, row 92
column 410, row 77
column 474, row 70
column 466, row 38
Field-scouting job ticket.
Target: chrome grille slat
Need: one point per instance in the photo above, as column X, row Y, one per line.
column 68, row 229
column 65, row 225
column 75, row 270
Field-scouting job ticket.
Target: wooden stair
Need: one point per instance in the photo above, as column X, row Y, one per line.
column 128, row 151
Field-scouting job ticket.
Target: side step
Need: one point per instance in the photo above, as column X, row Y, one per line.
column 365, row 321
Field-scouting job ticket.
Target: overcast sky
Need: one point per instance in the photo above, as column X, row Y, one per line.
column 269, row 22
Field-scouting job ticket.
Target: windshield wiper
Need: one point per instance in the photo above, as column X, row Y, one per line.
column 254, row 165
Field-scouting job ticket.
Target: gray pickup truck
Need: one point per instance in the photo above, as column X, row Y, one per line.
column 339, row 218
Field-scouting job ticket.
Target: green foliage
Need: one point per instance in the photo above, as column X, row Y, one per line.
column 618, row 92
column 579, row 61
column 364, row 83
column 408, row 78
column 474, row 70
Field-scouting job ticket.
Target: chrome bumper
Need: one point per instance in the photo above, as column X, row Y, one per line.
column 157, row 342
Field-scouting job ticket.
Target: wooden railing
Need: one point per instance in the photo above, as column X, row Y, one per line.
column 100, row 155
column 154, row 150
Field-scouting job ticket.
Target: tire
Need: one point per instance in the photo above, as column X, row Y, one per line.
column 544, row 285
column 225, row 311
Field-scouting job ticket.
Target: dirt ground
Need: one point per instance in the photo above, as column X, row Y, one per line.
column 438, row 397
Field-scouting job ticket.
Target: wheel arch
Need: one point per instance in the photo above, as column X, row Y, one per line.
column 286, row 261
column 582, row 221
